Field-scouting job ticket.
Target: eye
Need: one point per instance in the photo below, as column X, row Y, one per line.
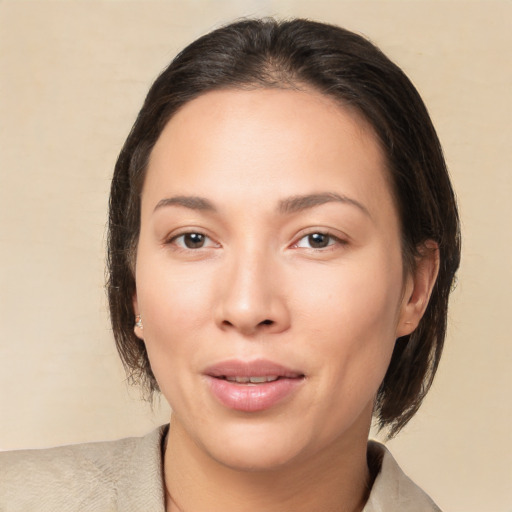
column 192, row 241
column 317, row 241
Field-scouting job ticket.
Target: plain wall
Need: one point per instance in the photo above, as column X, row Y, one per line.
column 72, row 78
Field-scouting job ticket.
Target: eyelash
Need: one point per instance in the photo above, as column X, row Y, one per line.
column 332, row 241
column 173, row 240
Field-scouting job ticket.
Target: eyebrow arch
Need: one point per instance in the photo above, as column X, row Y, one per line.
column 298, row 203
column 192, row 202
column 286, row 206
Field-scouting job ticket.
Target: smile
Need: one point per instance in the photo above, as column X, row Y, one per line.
column 252, row 386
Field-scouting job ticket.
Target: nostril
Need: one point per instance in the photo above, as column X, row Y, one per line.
column 247, row 327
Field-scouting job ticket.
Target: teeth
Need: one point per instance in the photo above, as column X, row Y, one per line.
column 258, row 380
column 252, row 380
column 240, row 380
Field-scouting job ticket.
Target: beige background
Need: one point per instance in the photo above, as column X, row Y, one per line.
column 72, row 77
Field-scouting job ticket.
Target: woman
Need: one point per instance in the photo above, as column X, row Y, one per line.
column 283, row 239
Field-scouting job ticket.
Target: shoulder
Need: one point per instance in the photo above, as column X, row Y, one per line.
column 83, row 477
column 393, row 490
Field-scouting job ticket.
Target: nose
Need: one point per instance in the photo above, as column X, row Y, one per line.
column 252, row 300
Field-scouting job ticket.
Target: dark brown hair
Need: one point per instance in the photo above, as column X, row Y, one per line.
column 347, row 67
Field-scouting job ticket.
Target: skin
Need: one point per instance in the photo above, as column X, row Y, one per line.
column 257, row 288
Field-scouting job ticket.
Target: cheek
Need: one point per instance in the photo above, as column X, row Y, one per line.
column 352, row 312
column 353, row 319
column 175, row 304
column 358, row 295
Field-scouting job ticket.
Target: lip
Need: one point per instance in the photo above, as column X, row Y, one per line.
column 250, row 397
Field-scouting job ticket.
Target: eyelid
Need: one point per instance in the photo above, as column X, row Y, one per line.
column 340, row 239
column 171, row 238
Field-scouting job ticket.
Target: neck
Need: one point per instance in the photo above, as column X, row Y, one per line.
column 336, row 480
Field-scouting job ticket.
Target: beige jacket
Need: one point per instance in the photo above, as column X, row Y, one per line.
column 126, row 476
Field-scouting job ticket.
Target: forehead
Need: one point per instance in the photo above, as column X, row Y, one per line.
column 267, row 143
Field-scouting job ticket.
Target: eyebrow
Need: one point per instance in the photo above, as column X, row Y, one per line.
column 298, row 203
column 289, row 205
column 192, row 202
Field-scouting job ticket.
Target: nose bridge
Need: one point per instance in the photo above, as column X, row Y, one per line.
column 250, row 300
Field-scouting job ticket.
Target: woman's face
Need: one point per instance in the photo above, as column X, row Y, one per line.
column 269, row 274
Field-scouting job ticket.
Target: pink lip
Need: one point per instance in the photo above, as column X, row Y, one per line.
column 252, row 397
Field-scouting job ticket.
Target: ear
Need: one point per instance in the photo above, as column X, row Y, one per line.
column 418, row 288
column 137, row 329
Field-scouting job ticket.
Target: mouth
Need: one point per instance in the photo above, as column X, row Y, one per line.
column 252, row 386
column 252, row 372
column 251, row 380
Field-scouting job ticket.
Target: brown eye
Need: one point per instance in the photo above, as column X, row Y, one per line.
column 319, row 240
column 190, row 240
column 193, row 240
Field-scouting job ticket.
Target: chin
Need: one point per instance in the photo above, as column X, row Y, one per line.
column 254, row 458
column 246, row 447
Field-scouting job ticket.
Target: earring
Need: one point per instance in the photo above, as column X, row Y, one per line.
column 138, row 322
